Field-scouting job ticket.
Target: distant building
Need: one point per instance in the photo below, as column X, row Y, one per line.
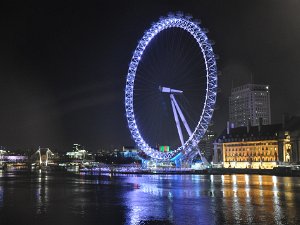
column 103, row 152
column 129, row 152
column 206, row 144
column 79, row 153
column 289, row 140
column 249, row 103
column 9, row 157
column 126, row 155
column 262, row 146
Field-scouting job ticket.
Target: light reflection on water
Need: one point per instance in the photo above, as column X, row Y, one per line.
column 51, row 198
column 41, row 192
column 226, row 199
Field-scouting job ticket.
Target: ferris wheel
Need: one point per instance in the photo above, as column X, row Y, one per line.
column 188, row 138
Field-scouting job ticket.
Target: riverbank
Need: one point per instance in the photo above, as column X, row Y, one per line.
column 278, row 171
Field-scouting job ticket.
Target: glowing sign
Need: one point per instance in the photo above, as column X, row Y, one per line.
column 164, row 148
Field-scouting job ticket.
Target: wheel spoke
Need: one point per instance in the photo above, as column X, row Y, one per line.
column 140, row 71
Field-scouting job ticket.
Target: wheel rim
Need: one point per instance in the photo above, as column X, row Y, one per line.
column 193, row 28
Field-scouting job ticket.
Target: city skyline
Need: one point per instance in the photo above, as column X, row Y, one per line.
column 63, row 66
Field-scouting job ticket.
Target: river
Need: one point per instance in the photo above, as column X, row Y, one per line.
column 53, row 198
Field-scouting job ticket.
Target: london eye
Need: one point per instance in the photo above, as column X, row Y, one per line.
column 171, row 88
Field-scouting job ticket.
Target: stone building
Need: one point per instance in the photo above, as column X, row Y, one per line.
column 262, row 146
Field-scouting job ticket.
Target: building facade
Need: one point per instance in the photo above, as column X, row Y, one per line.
column 262, row 146
column 249, row 103
column 289, row 140
column 79, row 153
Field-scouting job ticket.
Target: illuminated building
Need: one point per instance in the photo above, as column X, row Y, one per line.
column 249, row 103
column 289, row 140
column 262, row 146
column 78, row 153
column 9, row 157
column 129, row 152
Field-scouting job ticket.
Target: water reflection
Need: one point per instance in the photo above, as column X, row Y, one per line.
column 214, row 199
column 169, row 198
column 43, row 197
column 41, row 192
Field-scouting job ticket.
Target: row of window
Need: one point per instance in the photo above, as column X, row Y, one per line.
column 268, row 153
column 263, row 159
column 249, row 149
column 251, row 144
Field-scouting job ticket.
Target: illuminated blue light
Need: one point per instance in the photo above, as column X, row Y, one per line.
column 199, row 34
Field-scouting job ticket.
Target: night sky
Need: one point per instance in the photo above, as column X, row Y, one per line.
column 63, row 64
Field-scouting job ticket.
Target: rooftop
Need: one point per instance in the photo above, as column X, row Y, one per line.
column 263, row 132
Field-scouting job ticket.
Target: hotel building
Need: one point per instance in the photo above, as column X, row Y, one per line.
column 249, row 103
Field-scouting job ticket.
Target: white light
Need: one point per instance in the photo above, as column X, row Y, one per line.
column 234, row 179
column 247, row 179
